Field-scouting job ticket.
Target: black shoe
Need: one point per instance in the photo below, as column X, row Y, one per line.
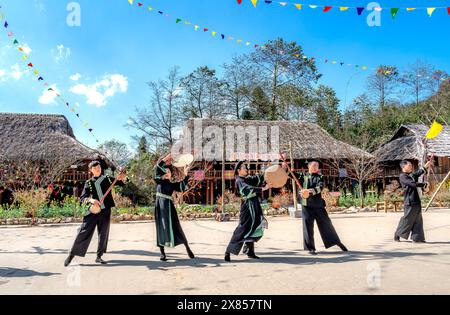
column 396, row 238
column 227, row 257
column 163, row 257
column 190, row 253
column 312, row 252
column 252, row 256
column 342, row 247
column 99, row 260
column 68, row 260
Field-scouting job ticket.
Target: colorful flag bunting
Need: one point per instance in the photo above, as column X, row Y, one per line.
column 394, row 12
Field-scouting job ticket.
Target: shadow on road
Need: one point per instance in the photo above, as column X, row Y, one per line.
column 23, row 273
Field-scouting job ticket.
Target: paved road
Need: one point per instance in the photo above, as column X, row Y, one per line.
column 31, row 260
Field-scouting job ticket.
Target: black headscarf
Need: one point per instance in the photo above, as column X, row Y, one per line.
column 237, row 167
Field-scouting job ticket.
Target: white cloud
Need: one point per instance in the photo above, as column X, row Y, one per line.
column 48, row 97
column 26, row 49
column 3, row 77
column 98, row 93
column 75, row 77
column 16, row 72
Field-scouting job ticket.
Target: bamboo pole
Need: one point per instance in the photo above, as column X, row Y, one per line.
column 223, row 178
column 437, row 190
column 294, row 186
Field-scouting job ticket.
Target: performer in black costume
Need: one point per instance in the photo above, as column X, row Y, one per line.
column 251, row 220
column 313, row 209
column 93, row 192
column 168, row 228
column 412, row 222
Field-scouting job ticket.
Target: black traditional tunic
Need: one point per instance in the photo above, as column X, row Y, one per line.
column 95, row 188
column 251, row 219
column 168, row 228
column 313, row 209
column 412, row 222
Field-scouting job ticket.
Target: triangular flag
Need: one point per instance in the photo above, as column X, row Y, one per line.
column 394, row 12
column 434, row 131
column 410, row 9
column 213, row 33
column 430, row 11
column 30, row 65
column 36, row 72
column 41, row 79
column 359, row 10
column 24, row 57
column 196, row 27
column 239, row 1
column 130, row 1
column 6, row 24
column 327, row 8
column 448, row 10
column 283, row 4
column 178, row 21
column 298, row 6
column 15, row 42
column 255, row 2
column 313, row 6
column 343, row 8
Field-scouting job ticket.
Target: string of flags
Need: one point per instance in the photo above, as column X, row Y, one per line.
column 26, row 58
column 358, row 9
column 222, row 36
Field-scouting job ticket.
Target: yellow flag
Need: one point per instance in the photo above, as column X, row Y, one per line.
column 434, row 131
column 410, row 9
column 343, row 8
column 196, row 27
column 150, row 8
column 298, row 6
column 214, row 33
column 130, row 1
column 254, row 2
column 430, row 11
column 36, row 72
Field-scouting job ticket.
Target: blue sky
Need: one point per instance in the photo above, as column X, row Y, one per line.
column 102, row 66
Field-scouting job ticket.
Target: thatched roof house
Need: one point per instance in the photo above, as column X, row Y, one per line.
column 39, row 137
column 309, row 140
column 409, row 143
column 263, row 142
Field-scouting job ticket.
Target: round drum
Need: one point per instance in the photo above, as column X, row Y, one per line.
column 183, row 160
column 276, row 176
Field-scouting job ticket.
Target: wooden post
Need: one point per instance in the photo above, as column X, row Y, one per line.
column 437, row 190
column 294, row 186
column 223, row 178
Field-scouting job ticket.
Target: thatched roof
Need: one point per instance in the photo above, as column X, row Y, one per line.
column 408, row 143
column 40, row 137
column 309, row 141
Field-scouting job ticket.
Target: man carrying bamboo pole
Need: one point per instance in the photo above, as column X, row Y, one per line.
column 412, row 222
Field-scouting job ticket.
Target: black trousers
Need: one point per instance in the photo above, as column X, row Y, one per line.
column 326, row 228
column 411, row 223
column 87, row 229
